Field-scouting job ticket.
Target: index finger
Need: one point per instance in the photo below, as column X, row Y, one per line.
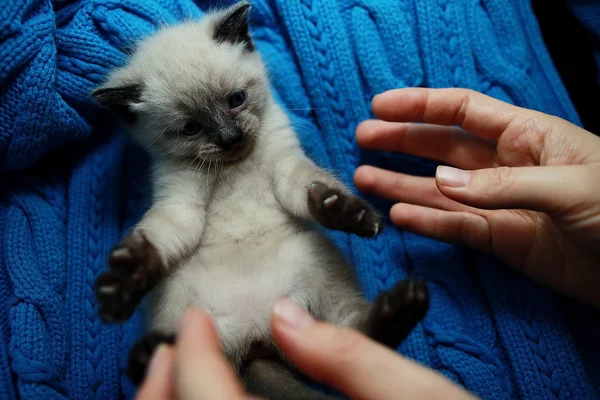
column 352, row 363
column 475, row 112
column 202, row 371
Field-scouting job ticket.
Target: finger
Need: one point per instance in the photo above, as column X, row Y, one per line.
column 404, row 188
column 352, row 363
column 202, row 371
column 159, row 383
column 554, row 190
column 446, row 226
column 475, row 112
column 441, row 143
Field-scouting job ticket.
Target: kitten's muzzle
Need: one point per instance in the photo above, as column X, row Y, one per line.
column 230, row 139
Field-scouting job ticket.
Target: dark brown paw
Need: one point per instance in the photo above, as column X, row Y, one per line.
column 141, row 354
column 135, row 267
column 396, row 312
column 340, row 211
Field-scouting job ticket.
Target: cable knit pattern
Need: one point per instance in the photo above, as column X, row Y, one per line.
column 74, row 184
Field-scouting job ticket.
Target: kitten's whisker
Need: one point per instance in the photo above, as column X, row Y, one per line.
column 202, row 164
column 194, row 160
column 218, row 172
column 198, row 164
column 162, row 132
column 226, row 172
column 207, row 182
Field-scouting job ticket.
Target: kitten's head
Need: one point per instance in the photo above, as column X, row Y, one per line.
column 193, row 91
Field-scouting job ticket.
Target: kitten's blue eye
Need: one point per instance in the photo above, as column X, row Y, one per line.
column 237, row 99
column 191, row 128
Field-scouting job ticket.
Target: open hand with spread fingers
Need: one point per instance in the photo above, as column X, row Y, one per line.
column 526, row 186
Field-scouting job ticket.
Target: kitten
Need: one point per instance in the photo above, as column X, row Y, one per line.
column 230, row 226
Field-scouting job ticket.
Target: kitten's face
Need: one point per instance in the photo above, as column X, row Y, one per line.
column 196, row 91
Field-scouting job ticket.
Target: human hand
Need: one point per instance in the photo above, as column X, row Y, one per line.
column 529, row 191
column 194, row 368
column 347, row 360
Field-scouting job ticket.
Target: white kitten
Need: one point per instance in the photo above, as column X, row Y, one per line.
column 230, row 226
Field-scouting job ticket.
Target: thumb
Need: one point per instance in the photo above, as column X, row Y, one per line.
column 550, row 189
column 353, row 363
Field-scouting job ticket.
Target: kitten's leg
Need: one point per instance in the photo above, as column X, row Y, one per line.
column 390, row 318
column 309, row 192
column 169, row 231
column 275, row 380
column 395, row 313
column 141, row 354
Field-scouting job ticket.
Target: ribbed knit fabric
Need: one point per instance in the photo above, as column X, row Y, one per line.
column 73, row 183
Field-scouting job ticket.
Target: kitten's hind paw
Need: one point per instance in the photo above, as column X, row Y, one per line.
column 337, row 210
column 141, row 354
column 396, row 312
column 135, row 267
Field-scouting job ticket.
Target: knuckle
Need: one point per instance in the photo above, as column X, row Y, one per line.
column 474, row 231
column 468, row 94
column 461, row 107
column 525, row 135
column 464, row 230
column 497, row 178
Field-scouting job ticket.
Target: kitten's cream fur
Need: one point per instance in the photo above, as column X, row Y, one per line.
column 232, row 233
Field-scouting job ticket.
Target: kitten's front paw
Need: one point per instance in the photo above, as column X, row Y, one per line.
column 396, row 312
column 135, row 267
column 344, row 212
column 141, row 354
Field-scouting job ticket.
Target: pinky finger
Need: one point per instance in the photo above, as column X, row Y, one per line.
column 446, row 226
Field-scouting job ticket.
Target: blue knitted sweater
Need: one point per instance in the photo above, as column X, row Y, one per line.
column 73, row 183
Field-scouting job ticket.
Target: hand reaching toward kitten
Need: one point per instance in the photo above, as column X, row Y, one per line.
column 528, row 191
column 195, row 367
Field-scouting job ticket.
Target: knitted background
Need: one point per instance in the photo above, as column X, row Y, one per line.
column 72, row 182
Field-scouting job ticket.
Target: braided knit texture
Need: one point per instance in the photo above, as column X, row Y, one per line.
column 73, row 183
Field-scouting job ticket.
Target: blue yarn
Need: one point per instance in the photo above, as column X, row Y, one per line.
column 74, row 184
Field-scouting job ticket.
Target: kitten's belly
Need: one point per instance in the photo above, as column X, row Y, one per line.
column 244, row 212
column 238, row 285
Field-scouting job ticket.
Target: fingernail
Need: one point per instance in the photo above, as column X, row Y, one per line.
column 452, row 177
column 159, row 361
column 293, row 315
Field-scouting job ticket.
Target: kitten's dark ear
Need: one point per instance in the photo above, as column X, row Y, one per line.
column 119, row 99
column 232, row 26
